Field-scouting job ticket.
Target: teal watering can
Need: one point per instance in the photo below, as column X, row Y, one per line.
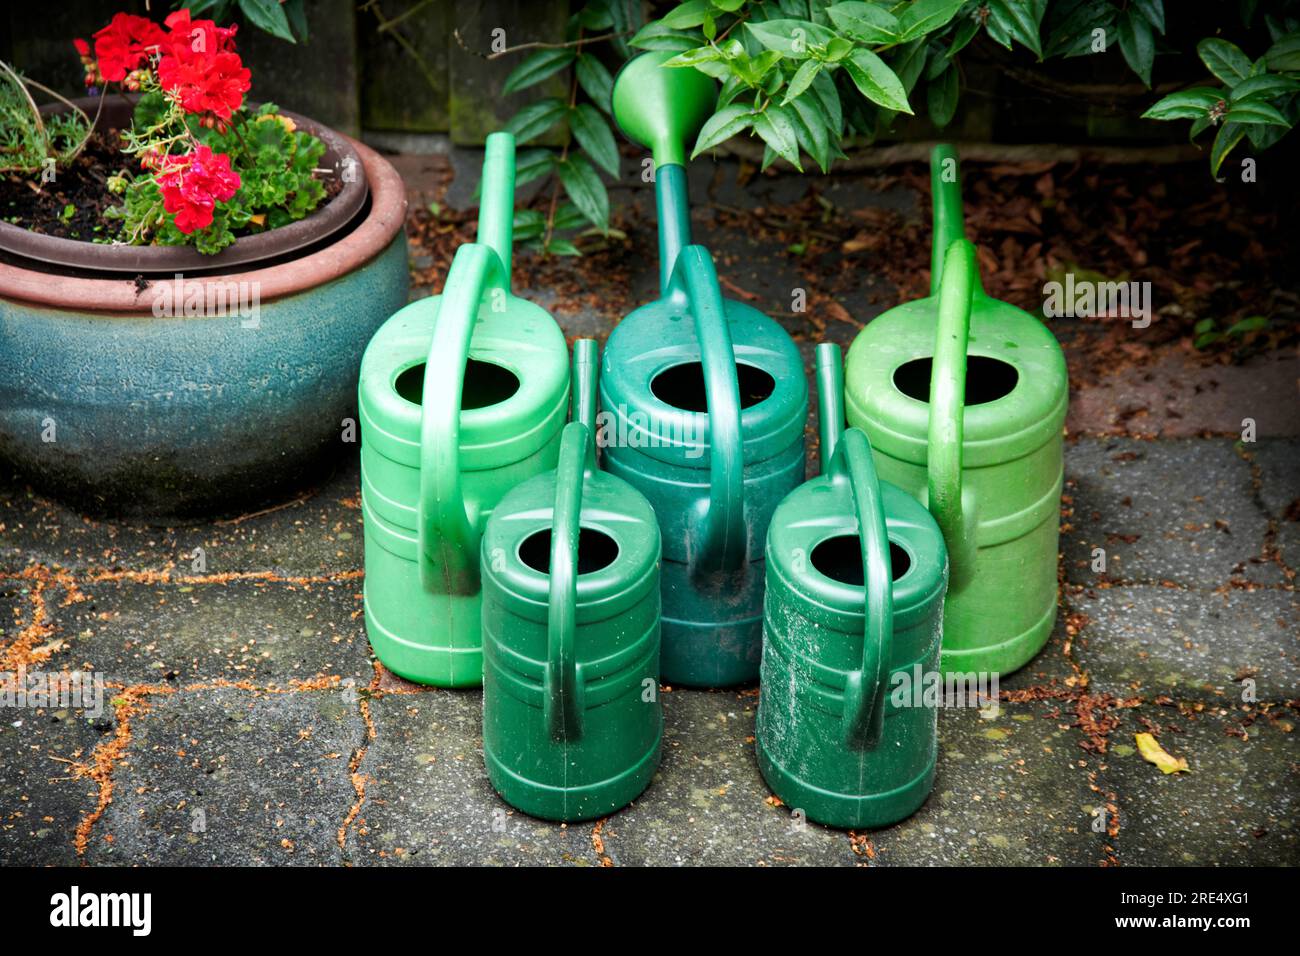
column 571, row 716
column 462, row 397
column 856, row 572
column 964, row 399
column 703, row 403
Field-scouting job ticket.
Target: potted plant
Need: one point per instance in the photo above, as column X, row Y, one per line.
column 187, row 279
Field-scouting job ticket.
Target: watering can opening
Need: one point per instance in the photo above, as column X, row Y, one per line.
column 596, row 551
column 486, row 384
column 987, row 379
column 682, row 386
column 839, row 558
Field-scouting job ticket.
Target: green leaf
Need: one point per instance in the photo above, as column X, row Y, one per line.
column 1153, row 11
column 1204, row 325
column 837, row 49
column 790, row 38
column 876, row 81
column 295, row 11
column 778, row 131
column 533, row 164
column 1268, row 85
column 1137, row 43
column 1225, row 60
column 1185, row 104
column 941, row 97
column 529, row 224
column 1256, row 111
column 536, row 118
column 1252, row 323
column 586, row 190
column 686, row 15
column 723, row 125
column 268, row 16
column 964, row 33
column 801, row 80
column 1017, row 20
column 535, row 68
column 594, row 136
column 925, row 16
column 1229, row 135
column 595, row 80
column 562, row 247
column 829, row 97
column 656, row 36
column 1284, row 55
column 810, row 124
column 865, row 22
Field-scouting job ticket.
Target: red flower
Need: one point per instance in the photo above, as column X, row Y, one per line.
column 83, row 48
column 210, row 83
column 192, row 185
column 197, row 37
column 124, row 44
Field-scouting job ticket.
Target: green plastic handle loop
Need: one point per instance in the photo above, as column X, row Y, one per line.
column 945, row 195
column 830, row 399
column 446, row 538
column 864, row 689
column 562, row 683
column 725, row 541
column 947, row 413
column 662, row 107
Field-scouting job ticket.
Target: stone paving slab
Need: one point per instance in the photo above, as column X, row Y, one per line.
column 244, row 630
column 1181, row 511
column 320, row 532
column 41, row 801
column 226, row 776
column 1237, row 805
column 1190, row 644
column 1278, row 464
column 428, row 800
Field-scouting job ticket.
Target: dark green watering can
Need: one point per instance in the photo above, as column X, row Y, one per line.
column 462, row 396
column 856, row 571
column 964, row 399
column 571, row 716
column 703, row 405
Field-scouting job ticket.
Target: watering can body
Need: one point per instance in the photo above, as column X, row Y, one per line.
column 657, row 430
column 703, row 406
column 969, row 420
column 572, row 723
column 853, row 619
column 462, row 396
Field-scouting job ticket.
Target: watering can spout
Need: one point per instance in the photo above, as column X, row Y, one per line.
column 496, row 214
column 951, row 507
column 945, row 192
column 830, row 399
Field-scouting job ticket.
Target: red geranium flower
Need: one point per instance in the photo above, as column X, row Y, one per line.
column 211, row 83
column 83, row 48
column 193, row 184
column 124, row 44
column 197, row 37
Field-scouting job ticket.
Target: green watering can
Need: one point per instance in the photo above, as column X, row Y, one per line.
column 703, row 405
column 462, row 397
column 964, row 399
column 856, row 571
column 571, row 716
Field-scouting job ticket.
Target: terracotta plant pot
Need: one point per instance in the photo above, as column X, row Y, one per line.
column 167, row 393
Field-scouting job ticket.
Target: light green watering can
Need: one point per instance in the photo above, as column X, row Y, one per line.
column 462, row 397
column 571, row 715
column 963, row 398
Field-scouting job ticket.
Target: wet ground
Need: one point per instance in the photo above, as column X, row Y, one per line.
column 245, row 720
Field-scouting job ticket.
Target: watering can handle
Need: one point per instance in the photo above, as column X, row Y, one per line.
column 864, row 689
column 562, row 684
column 447, row 547
column 725, row 540
column 947, row 411
column 945, row 195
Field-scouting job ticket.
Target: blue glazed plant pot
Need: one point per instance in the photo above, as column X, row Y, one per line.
column 184, row 395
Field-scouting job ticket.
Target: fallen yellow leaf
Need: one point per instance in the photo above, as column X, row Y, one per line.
column 1152, row 752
